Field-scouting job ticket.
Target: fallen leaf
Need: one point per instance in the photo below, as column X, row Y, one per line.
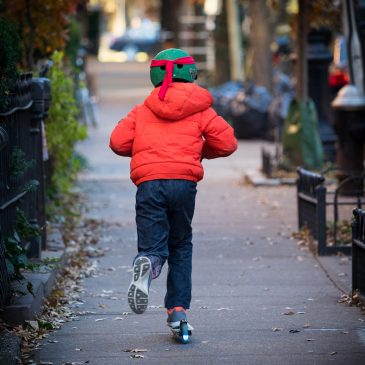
column 33, row 324
column 277, row 329
column 136, row 356
column 93, row 252
column 135, row 350
column 288, row 313
column 333, row 353
column 294, row 331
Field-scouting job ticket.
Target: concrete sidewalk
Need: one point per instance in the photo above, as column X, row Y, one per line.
column 257, row 297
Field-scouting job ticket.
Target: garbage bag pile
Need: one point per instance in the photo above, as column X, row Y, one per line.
column 223, row 95
column 252, row 110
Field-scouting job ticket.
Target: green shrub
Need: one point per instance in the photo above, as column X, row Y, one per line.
column 62, row 128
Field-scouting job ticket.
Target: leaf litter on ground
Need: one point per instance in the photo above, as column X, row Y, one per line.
column 57, row 308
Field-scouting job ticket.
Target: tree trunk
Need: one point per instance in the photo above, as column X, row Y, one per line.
column 221, row 74
column 302, row 64
column 170, row 22
column 235, row 41
column 31, row 37
column 260, row 41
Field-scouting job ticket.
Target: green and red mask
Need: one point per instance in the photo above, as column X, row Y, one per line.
column 172, row 65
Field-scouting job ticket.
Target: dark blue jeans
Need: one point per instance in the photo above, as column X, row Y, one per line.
column 164, row 212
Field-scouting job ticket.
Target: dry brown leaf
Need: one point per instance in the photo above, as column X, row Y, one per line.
column 135, row 350
column 136, row 356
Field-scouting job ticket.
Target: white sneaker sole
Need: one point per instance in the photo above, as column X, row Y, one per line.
column 138, row 289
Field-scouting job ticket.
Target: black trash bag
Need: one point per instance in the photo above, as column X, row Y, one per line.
column 249, row 112
column 223, row 95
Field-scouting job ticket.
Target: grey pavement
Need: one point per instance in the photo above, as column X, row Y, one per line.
column 258, row 298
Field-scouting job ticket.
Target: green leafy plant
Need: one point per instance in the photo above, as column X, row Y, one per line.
column 24, row 229
column 31, row 185
column 15, row 253
column 15, row 256
column 62, row 128
column 18, row 163
column 48, row 263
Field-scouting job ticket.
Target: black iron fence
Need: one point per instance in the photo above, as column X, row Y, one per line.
column 22, row 168
column 267, row 164
column 358, row 251
column 313, row 202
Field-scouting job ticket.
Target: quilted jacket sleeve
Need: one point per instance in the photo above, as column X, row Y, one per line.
column 219, row 139
column 122, row 137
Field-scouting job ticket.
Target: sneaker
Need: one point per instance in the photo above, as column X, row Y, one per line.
column 139, row 287
column 175, row 316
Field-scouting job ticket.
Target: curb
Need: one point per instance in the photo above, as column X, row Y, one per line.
column 26, row 307
column 256, row 178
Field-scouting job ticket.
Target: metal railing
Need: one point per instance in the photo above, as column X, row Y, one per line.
column 313, row 199
column 22, row 166
column 358, row 251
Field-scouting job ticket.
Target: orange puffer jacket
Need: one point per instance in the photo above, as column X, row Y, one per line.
column 168, row 139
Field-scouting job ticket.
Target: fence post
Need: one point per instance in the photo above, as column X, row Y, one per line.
column 4, row 277
column 358, row 251
column 41, row 101
column 321, row 219
column 355, row 235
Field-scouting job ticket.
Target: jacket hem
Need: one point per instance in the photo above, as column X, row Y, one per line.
column 165, row 177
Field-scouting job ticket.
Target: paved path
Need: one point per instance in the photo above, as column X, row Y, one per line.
column 257, row 298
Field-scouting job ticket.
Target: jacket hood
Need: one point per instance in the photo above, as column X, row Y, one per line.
column 181, row 100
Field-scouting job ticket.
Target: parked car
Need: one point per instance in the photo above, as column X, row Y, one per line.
column 143, row 39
